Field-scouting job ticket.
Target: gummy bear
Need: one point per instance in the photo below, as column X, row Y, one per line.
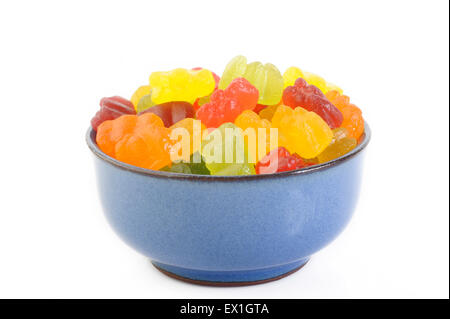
column 333, row 87
column 301, row 132
column 312, row 99
column 266, row 78
column 226, row 105
column 195, row 129
column 188, row 168
column 215, row 76
column 268, row 112
column 145, row 103
column 137, row 140
column 279, row 160
column 139, row 93
column 341, row 144
column 293, row 73
column 205, row 99
column 110, row 109
column 249, row 119
column 226, row 155
column 353, row 120
column 181, row 85
column 317, row 81
column 171, row 112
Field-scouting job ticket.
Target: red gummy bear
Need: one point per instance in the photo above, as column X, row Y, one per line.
column 226, row 105
column 171, row 112
column 284, row 162
column 312, row 99
column 110, row 109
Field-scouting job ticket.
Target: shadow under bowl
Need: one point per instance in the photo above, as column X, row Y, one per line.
column 229, row 230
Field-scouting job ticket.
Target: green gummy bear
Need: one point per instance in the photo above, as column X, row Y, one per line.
column 265, row 77
column 188, row 168
column 216, row 144
column 145, row 103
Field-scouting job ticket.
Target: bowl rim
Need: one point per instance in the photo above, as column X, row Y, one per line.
column 92, row 144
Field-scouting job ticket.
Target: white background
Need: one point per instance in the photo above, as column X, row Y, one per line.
column 58, row 58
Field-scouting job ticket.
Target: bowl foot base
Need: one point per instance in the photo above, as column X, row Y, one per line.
column 230, row 278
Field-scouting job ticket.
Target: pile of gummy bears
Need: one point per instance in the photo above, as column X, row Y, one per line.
column 315, row 121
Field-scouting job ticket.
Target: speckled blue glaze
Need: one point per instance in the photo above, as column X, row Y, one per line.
column 229, row 229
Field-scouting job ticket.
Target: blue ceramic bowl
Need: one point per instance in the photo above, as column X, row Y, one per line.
column 229, row 230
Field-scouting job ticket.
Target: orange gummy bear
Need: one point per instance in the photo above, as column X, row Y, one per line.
column 268, row 112
column 353, row 120
column 249, row 119
column 137, row 140
column 195, row 130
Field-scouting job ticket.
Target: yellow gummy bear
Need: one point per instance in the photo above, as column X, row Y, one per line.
column 265, row 77
column 293, row 73
column 314, row 79
column 139, row 93
column 181, row 85
column 342, row 144
column 333, row 87
column 249, row 119
column 301, row 132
